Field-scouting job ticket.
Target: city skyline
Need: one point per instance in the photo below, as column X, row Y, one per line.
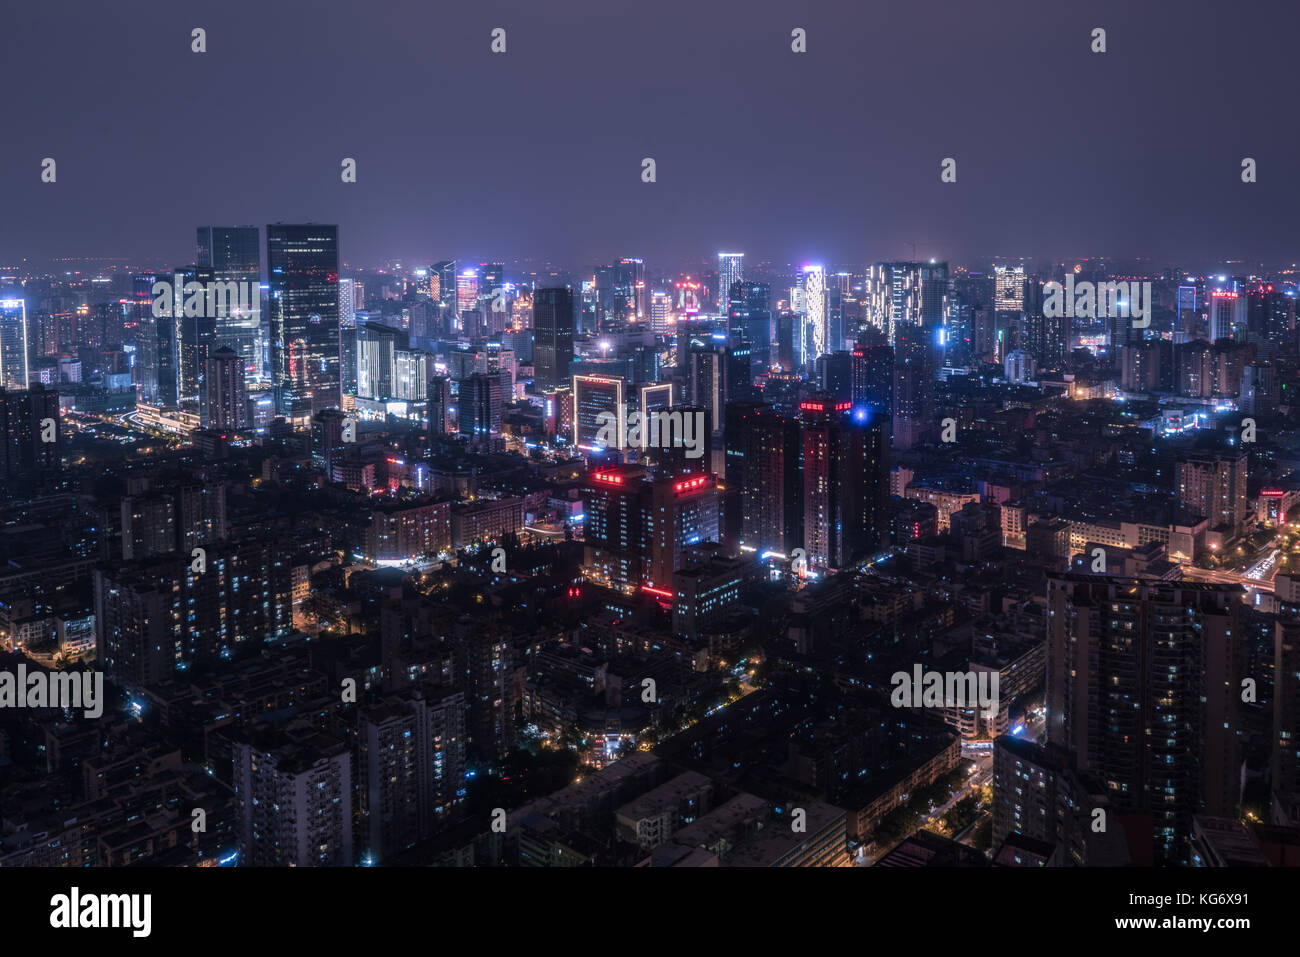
column 595, row 436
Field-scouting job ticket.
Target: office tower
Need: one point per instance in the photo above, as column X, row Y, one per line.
column 845, row 482
column 445, row 270
column 1189, row 321
column 871, row 371
column 493, row 277
column 31, row 431
column 636, row 530
column 893, row 296
column 598, row 403
column 167, row 351
column 1048, row 337
column 913, row 412
column 196, row 330
column 479, row 406
column 1009, row 289
column 377, row 347
column 619, row 292
column 1213, row 485
column 303, row 273
column 814, row 285
column 411, row 368
column 294, row 802
column 227, row 405
column 749, row 312
column 633, row 274
column 439, row 398
column 234, row 254
column 661, row 308
column 738, row 377
column 934, row 293
column 552, row 337
column 14, row 342
column 1227, row 315
column 731, row 270
column 653, row 397
column 467, row 292
column 673, row 455
column 702, row 370
column 144, row 338
column 1143, row 686
column 763, row 508
column 348, row 304
column 348, row 360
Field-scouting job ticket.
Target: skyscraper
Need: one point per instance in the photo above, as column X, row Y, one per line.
column 731, row 270
column 913, row 395
column 13, row 339
column 893, row 295
column 303, row 273
column 233, row 253
column 814, row 285
column 552, row 337
column 445, row 270
column 763, row 507
column 845, row 482
column 599, row 401
column 479, row 406
column 749, row 313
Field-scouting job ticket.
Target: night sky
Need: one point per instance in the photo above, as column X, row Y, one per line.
column 831, row 155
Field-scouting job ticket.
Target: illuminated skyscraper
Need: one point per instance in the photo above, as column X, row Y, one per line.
column 814, row 285
column 1227, row 315
column 661, row 307
column 637, row 292
column 598, row 402
column 1008, row 288
column 348, row 304
column 893, row 295
column 303, row 272
column 467, row 291
column 13, row 339
column 445, row 270
column 731, row 269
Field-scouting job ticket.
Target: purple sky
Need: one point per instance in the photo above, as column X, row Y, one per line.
column 831, row 155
